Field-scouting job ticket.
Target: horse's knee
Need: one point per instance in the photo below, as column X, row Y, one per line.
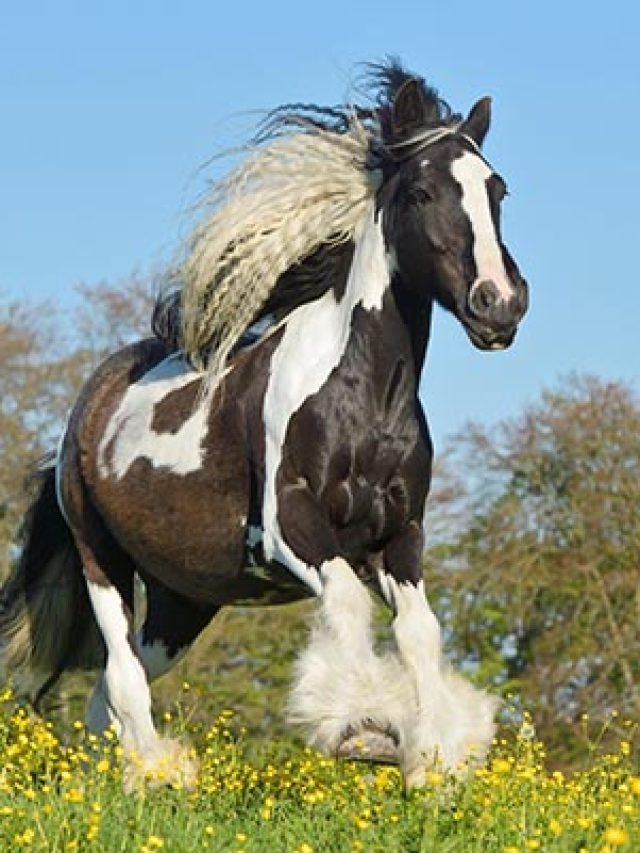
column 345, row 609
column 342, row 590
column 415, row 625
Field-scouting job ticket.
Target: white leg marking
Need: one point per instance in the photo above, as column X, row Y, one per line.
column 124, row 694
column 471, row 172
column 408, row 706
column 340, row 684
column 129, row 434
column 449, row 720
column 301, row 365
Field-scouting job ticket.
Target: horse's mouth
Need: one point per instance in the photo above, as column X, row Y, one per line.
column 488, row 340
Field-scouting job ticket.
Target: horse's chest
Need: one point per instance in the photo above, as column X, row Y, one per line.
column 351, row 445
column 345, row 427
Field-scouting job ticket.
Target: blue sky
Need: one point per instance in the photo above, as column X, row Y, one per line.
column 108, row 111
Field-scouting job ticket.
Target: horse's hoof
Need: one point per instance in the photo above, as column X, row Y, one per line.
column 172, row 765
column 416, row 777
column 369, row 743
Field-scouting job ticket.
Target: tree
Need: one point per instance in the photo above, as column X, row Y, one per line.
column 45, row 356
column 539, row 579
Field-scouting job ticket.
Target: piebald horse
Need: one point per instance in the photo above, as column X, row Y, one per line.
column 268, row 442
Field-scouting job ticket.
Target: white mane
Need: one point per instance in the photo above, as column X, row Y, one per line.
column 301, row 190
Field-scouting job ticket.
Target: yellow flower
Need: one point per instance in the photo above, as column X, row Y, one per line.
column 501, row 765
column 634, row 785
column 26, row 838
column 555, row 827
column 510, row 849
column 616, row 836
column 74, row 795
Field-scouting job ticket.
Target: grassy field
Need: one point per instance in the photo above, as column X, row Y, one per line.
column 63, row 791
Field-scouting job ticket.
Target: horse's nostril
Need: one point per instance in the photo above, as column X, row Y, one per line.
column 482, row 298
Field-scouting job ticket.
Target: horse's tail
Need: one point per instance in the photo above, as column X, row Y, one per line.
column 46, row 621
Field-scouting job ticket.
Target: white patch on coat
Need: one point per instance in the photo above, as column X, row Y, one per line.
column 472, row 173
column 129, row 434
column 314, row 341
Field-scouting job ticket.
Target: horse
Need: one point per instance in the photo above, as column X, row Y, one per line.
column 267, row 442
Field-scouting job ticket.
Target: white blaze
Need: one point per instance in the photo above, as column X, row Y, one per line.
column 472, row 173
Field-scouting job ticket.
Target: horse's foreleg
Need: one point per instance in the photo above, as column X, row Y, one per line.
column 447, row 720
column 342, row 694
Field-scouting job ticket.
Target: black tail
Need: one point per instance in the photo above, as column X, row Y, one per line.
column 46, row 621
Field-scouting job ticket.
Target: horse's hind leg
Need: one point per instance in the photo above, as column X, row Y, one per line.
column 171, row 625
column 123, row 689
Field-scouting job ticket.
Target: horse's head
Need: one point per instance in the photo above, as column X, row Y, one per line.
column 442, row 209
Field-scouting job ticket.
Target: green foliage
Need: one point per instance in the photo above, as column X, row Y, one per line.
column 538, row 580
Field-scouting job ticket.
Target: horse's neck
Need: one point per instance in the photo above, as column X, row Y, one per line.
column 415, row 314
column 375, row 283
column 316, row 335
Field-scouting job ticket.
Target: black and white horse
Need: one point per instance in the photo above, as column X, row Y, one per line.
column 268, row 443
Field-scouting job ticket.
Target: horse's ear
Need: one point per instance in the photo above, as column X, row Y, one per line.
column 477, row 122
column 409, row 110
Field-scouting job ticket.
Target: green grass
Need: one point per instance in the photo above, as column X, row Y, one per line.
column 64, row 792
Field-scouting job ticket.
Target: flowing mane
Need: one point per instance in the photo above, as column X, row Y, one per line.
column 279, row 224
